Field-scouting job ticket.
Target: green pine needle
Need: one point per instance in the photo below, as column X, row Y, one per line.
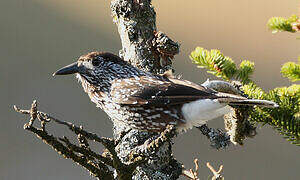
column 291, row 70
column 277, row 24
column 215, row 62
column 253, row 91
column 246, row 69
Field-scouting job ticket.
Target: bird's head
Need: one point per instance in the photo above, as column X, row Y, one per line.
column 98, row 69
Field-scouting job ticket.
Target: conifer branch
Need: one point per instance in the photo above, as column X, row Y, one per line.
column 279, row 24
column 291, row 70
column 222, row 66
column 284, row 119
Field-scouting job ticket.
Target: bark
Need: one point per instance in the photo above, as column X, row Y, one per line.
column 146, row 48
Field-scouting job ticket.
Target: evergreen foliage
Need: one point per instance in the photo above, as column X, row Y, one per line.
column 222, row 66
column 277, row 24
column 285, row 118
column 215, row 61
column 291, row 70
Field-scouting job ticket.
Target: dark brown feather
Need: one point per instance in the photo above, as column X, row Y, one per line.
column 155, row 92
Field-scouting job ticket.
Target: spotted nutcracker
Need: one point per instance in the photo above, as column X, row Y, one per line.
column 146, row 101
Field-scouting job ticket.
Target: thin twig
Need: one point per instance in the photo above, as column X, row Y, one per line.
column 86, row 152
column 101, row 172
column 107, row 142
column 217, row 174
column 192, row 174
column 166, row 136
column 139, row 154
column 82, row 154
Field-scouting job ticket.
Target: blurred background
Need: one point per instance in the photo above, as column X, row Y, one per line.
column 38, row 37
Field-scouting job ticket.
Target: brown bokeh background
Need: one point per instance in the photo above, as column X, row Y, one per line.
column 37, row 37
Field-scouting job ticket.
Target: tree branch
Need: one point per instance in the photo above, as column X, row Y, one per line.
column 101, row 172
column 146, row 48
column 81, row 154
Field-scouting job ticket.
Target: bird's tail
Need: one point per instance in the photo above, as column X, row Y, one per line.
column 254, row 102
column 232, row 99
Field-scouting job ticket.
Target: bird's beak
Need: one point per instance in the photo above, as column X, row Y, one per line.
column 69, row 69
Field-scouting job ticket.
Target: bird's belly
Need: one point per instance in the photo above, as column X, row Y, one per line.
column 196, row 113
column 153, row 119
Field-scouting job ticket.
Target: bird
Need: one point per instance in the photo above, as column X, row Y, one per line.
column 150, row 102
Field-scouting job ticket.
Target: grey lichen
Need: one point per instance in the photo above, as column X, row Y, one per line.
column 136, row 21
column 165, row 48
column 218, row 138
column 238, row 126
column 155, row 148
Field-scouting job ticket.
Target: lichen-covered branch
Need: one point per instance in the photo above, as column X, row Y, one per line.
column 82, row 155
column 142, row 45
column 95, row 164
column 150, row 50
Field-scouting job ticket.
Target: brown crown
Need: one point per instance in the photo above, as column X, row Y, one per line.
column 105, row 55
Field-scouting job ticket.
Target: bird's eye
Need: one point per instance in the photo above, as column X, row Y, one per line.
column 96, row 62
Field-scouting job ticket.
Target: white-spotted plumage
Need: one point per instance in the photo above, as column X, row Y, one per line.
column 146, row 101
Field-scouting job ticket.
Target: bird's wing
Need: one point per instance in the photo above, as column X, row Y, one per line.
column 155, row 92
